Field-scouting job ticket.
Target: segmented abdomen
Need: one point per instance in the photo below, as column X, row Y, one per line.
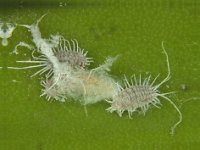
column 133, row 97
column 73, row 58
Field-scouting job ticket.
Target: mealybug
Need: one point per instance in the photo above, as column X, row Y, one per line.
column 71, row 54
column 138, row 95
column 56, row 54
column 68, row 55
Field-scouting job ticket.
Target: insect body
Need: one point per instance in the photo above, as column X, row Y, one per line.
column 69, row 55
column 138, row 96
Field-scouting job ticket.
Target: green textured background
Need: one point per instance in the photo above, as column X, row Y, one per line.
column 132, row 28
